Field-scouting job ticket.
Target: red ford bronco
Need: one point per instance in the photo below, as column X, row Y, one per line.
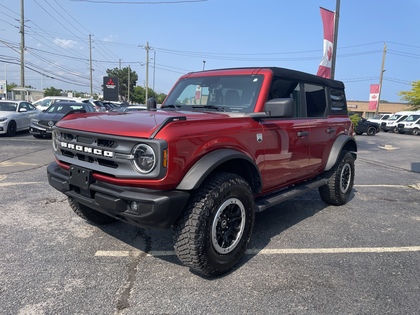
column 224, row 144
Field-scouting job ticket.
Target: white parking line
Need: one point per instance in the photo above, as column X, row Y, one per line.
column 283, row 251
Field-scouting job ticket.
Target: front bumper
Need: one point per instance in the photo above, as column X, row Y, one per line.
column 155, row 208
column 38, row 130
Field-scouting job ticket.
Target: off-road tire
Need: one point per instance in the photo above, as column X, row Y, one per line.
column 89, row 214
column 371, row 131
column 341, row 179
column 11, row 128
column 222, row 209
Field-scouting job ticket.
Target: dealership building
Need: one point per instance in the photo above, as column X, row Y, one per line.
column 362, row 108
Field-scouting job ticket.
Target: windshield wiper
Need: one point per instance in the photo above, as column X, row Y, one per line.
column 171, row 106
column 215, row 107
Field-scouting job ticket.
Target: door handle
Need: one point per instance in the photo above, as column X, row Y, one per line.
column 302, row 133
column 330, row 130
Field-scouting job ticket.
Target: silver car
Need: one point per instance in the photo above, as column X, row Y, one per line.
column 15, row 116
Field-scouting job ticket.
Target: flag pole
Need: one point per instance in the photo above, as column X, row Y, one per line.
column 334, row 52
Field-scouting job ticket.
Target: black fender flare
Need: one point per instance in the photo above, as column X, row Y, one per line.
column 342, row 141
column 208, row 163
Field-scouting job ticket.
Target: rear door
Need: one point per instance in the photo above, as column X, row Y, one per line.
column 327, row 118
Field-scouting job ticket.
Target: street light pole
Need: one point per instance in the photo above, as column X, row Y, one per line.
column 204, row 64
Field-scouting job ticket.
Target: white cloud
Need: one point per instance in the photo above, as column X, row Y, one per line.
column 65, row 43
column 109, row 38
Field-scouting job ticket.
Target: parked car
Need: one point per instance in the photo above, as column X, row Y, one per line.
column 392, row 122
column 15, row 116
column 42, row 124
column 45, row 102
column 366, row 126
column 224, row 144
column 379, row 118
column 410, row 124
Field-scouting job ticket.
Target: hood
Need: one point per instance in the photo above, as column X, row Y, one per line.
column 133, row 124
column 50, row 116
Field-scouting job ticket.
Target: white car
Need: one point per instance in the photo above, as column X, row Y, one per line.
column 45, row 102
column 15, row 116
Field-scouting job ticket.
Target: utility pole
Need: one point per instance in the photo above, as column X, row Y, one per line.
column 90, row 64
column 128, row 85
column 380, row 78
column 154, row 68
column 22, row 44
column 147, row 70
column 334, row 52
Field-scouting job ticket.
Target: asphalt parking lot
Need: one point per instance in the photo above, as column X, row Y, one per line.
column 305, row 257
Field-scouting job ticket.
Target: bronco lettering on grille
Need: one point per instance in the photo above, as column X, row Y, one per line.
column 81, row 148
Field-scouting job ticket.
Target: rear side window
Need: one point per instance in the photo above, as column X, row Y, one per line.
column 316, row 102
column 338, row 102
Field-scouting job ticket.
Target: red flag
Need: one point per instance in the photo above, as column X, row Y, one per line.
column 324, row 69
column 374, row 96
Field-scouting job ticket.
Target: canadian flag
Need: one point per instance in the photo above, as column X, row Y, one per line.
column 324, row 69
column 374, row 96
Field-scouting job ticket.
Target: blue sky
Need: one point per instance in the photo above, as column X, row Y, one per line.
column 223, row 33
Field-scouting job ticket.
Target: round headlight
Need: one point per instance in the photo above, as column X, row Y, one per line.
column 144, row 158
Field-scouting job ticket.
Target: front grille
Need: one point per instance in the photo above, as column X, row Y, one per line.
column 103, row 153
column 44, row 123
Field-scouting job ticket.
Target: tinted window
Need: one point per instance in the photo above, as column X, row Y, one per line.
column 281, row 88
column 315, row 100
column 338, row 102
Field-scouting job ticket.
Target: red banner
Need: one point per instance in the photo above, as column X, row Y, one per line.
column 324, row 69
column 374, row 96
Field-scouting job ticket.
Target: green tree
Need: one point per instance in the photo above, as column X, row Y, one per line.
column 413, row 96
column 11, row 86
column 52, row 91
column 122, row 75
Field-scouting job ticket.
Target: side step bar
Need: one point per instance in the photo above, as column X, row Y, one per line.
column 288, row 193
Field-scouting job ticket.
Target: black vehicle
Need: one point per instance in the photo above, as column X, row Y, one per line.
column 42, row 123
column 366, row 126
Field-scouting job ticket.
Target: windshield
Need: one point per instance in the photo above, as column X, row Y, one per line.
column 412, row 117
column 236, row 93
column 8, row 107
column 394, row 117
column 63, row 108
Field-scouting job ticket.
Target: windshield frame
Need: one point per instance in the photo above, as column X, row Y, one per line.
column 211, row 93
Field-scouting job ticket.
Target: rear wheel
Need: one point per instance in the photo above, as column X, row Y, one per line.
column 213, row 232
column 11, row 128
column 340, row 184
column 89, row 214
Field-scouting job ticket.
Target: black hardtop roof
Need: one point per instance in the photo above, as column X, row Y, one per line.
column 293, row 74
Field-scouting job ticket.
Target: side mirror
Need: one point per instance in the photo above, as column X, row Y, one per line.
column 280, row 107
column 23, row 110
column 151, row 103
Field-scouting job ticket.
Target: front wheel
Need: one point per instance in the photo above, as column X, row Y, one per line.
column 416, row 131
column 371, row 131
column 340, row 184
column 89, row 214
column 11, row 128
column 213, row 232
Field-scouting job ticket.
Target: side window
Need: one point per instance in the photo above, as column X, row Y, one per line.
column 316, row 102
column 281, row 88
column 338, row 102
